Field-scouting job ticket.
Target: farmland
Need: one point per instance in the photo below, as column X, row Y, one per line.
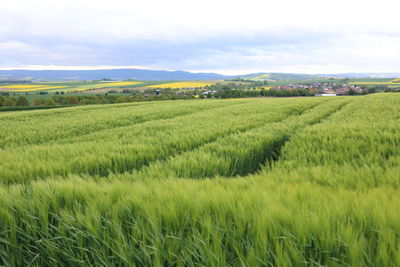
column 179, row 85
column 96, row 87
column 74, row 86
column 250, row 87
column 249, row 182
column 377, row 81
column 81, row 86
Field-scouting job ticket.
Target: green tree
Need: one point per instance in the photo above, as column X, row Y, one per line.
column 124, row 99
column 37, row 101
column 9, row 102
column 351, row 92
column 22, row 101
column 73, row 100
column 50, row 102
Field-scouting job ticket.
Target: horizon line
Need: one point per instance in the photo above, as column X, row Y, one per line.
column 238, row 73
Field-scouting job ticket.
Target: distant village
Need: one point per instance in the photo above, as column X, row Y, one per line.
column 323, row 88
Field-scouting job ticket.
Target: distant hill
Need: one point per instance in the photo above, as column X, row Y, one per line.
column 364, row 75
column 296, row 76
column 114, row 74
column 139, row 74
column 281, row 76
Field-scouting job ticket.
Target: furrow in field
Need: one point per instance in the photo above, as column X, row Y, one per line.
column 355, row 148
column 106, row 133
column 65, row 128
column 240, row 153
column 121, row 150
column 23, row 115
column 278, row 146
column 331, row 199
column 212, row 141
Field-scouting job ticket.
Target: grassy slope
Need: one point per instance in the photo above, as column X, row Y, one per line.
column 326, row 190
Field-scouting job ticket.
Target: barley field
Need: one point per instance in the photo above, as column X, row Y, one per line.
column 250, row 182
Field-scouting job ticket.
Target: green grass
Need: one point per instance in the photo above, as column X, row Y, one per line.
column 256, row 182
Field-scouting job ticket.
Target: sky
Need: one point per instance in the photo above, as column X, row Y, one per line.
column 227, row 37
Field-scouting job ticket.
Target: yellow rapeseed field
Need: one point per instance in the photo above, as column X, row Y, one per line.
column 65, row 82
column 179, row 85
column 375, row 83
column 118, row 83
column 23, row 86
column 28, row 88
column 81, row 88
column 265, row 88
column 395, row 81
column 264, row 76
column 39, row 89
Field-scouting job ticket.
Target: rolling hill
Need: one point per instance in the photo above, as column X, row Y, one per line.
column 114, row 74
column 152, row 75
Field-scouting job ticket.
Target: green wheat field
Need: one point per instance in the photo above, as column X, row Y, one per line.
column 244, row 182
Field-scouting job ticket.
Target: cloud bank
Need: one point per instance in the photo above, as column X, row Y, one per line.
column 223, row 36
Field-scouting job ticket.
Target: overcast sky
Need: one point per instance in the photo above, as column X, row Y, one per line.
column 225, row 36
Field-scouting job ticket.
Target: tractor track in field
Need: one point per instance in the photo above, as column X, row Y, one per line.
column 70, row 110
column 109, row 170
column 196, row 147
column 270, row 151
column 274, row 157
column 146, row 121
column 127, row 124
column 218, row 138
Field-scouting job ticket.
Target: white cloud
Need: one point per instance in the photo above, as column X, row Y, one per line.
column 227, row 36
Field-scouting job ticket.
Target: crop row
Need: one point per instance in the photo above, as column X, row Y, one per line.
column 326, row 193
column 357, row 148
column 44, row 126
column 241, row 153
column 130, row 147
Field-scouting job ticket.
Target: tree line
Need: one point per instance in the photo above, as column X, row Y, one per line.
column 67, row 100
column 13, row 102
